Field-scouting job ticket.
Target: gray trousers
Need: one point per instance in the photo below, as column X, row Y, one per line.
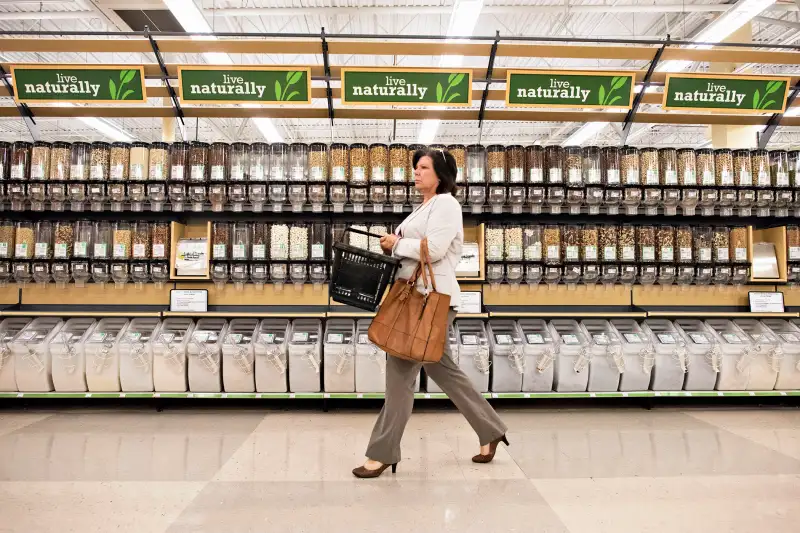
column 384, row 444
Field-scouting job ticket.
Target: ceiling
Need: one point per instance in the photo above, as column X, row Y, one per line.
column 654, row 19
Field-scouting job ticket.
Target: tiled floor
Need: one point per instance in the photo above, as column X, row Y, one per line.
column 567, row 471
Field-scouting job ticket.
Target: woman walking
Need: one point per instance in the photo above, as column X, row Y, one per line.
column 439, row 220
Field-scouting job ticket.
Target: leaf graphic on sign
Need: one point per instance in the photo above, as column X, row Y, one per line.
column 439, row 92
column 756, row 99
column 295, row 77
column 459, row 79
column 112, row 87
column 129, row 74
column 127, row 94
column 767, row 104
column 620, row 81
column 277, row 90
column 601, row 95
column 292, row 95
column 772, row 87
column 453, row 97
column 616, row 98
column 450, row 78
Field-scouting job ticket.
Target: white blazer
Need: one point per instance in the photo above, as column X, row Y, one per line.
column 440, row 221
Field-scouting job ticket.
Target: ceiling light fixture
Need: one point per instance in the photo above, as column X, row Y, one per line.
column 463, row 20
column 727, row 23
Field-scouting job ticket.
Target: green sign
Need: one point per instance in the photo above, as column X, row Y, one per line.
column 413, row 87
column 110, row 84
column 736, row 94
column 549, row 88
column 245, row 85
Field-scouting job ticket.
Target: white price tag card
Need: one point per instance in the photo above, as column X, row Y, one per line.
column 766, row 302
column 188, row 301
column 470, row 302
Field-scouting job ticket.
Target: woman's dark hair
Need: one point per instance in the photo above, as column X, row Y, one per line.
column 444, row 165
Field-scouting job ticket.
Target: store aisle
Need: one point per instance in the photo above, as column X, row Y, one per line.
column 567, row 471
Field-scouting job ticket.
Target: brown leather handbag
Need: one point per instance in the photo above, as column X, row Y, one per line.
column 409, row 324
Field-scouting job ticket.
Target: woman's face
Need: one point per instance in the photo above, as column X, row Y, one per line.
column 425, row 179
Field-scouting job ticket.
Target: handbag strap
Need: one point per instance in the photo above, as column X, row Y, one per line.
column 425, row 257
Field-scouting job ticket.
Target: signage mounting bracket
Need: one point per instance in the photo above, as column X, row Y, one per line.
column 626, row 126
column 327, row 65
column 489, row 69
column 176, row 106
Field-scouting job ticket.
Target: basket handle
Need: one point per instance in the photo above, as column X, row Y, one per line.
column 368, row 234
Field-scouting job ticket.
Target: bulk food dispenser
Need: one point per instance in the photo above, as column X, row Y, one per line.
column 508, row 357
column 238, row 356
column 204, row 354
column 474, row 355
column 572, row 357
column 170, row 355
column 8, row 330
column 764, row 359
column 370, row 361
column 31, row 352
column 703, row 355
column 339, row 356
column 102, row 355
column 136, row 355
column 638, row 354
column 540, row 351
column 607, row 364
column 735, row 347
column 305, row 355
column 671, row 361
column 68, row 355
column 271, row 352
column 789, row 336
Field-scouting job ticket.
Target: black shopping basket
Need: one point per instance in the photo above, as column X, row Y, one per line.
column 360, row 277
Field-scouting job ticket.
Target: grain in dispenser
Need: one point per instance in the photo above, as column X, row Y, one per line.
column 508, row 357
column 238, row 356
column 40, row 169
column 318, row 174
column 476, row 177
column 59, row 174
column 780, row 171
column 593, row 177
column 496, row 158
column 305, row 355
column 743, row 180
column 612, row 179
column 170, row 355
column 668, row 174
column 204, row 354
column 271, row 353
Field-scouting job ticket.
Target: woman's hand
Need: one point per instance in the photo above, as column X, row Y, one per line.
column 388, row 242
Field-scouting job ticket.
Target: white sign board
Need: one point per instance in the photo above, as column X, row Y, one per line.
column 766, row 302
column 188, row 301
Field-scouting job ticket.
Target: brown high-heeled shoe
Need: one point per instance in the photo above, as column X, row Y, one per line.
column 480, row 458
column 363, row 472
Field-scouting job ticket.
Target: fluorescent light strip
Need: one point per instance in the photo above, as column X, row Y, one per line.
column 463, row 20
column 191, row 18
column 722, row 27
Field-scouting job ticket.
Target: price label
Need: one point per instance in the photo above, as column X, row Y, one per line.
column 40, row 249
column 159, row 251
column 61, row 250
column 699, row 338
column 628, row 253
column 536, row 175
column 612, row 177
column 469, row 340
column 220, row 251
column 745, row 178
column 100, row 250
column 671, row 177
column 498, row 174
column 590, row 253
column 120, row 251
column 503, row 339
column 554, row 176
column 610, row 253
column 534, row 338
column 259, row 251
column 378, row 174
column 732, row 338
column 601, row 339
column 723, row 255
column 218, row 173
column 648, row 253
column 633, row 338
column 666, row 338
column 139, row 251
column 239, row 251
column 363, row 338
column 300, row 336
column 740, row 254
column 570, row 339
column 789, row 337
column 686, row 254
column 572, row 253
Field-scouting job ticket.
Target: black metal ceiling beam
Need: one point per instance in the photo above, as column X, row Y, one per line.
column 489, row 69
column 327, row 65
column 637, row 100
column 176, row 105
column 514, row 38
column 24, row 111
column 775, row 120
